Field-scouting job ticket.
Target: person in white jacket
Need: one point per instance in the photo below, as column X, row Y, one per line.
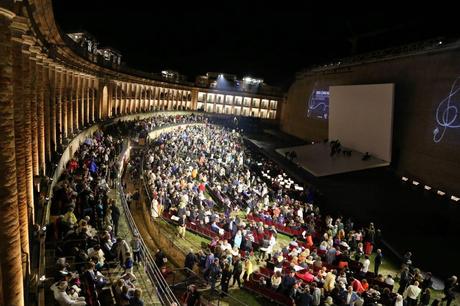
column 61, row 296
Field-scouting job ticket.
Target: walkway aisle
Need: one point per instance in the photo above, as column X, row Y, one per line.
column 143, row 282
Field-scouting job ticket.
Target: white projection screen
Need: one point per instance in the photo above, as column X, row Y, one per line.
column 361, row 118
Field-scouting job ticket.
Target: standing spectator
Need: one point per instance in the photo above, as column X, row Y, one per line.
column 449, row 287
column 237, row 270
column 378, row 261
column 427, row 281
column 128, row 263
column 425, row 298
column 191, row 296
column 226, row 275
column 411, row 294
column 316, row 293
column 214, row 274
column 122, row 248
column 190, row 260
column 136, row 248
column 115, row 217
column 136, row 299
column 350, row 296
column 366, row 264
column 304, row 298
column 182, row 226
column 404, row 280
column 247, row 269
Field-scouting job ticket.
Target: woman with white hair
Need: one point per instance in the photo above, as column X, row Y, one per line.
column 61, row 296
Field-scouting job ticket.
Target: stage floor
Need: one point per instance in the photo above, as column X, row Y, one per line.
column 316, row 159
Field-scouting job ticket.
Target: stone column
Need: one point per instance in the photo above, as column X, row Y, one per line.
column 53, row 108
column 65, row 104
column 76, row 101
column 83, row 100
column 18, row 28
column 194, row 102
column 11, row 280
column 88, row 102
column 58, row 105
column 27, row 130
column 93, row 100
column 41, row 115
column 33, row 111
column 116, row 99
column 47, row 110
column 124, row 96
column 70, row 97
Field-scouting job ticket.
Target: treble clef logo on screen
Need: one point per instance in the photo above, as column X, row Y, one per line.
column 447, row 113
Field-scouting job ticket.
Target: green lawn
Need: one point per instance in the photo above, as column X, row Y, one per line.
column 191, row 240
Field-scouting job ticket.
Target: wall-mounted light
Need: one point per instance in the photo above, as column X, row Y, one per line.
column 441, row 193
column 405, row 179
column 454, row 198
column 415, row 183
column 427, row 187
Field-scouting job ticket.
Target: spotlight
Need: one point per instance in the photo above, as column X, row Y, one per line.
column 427, row 187
column 441, row 193
column 454, row 198
column 415, row 183
column 405, row 179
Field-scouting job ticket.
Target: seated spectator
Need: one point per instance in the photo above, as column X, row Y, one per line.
column 276, row 280
column 389, row 280
column 136, row 299
column 60, row 295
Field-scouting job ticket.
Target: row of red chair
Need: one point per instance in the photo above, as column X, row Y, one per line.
column 253, row 285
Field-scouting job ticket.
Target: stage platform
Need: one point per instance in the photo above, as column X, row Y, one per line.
column 316, row 159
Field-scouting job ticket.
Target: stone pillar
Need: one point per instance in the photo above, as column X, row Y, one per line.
column 137, row 98
column 124, row 95
column 47, row 111
column 93, row 100
column 83, row 100
column 41, row 115
column 27, row 130
column 18, row 28
column 194, row 104
column 58, row 106
column 116, row 99
column 88, row 102
column 76, row 101
column 11, row 280
column 34, row 113
column 65, row 104
column 53, row 109
column 70, row 98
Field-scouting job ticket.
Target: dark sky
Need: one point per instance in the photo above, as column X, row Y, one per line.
column 261, row 40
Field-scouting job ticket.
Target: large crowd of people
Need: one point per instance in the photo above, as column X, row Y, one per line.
column 204, row 178
column 84, row 222
column 85, row 230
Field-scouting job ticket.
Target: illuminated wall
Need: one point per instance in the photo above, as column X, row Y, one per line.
column 426, row 134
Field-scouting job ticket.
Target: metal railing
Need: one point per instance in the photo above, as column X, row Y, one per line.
column 215, row 298
column 162, row 288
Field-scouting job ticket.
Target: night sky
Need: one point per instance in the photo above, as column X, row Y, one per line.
column 261, row 40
